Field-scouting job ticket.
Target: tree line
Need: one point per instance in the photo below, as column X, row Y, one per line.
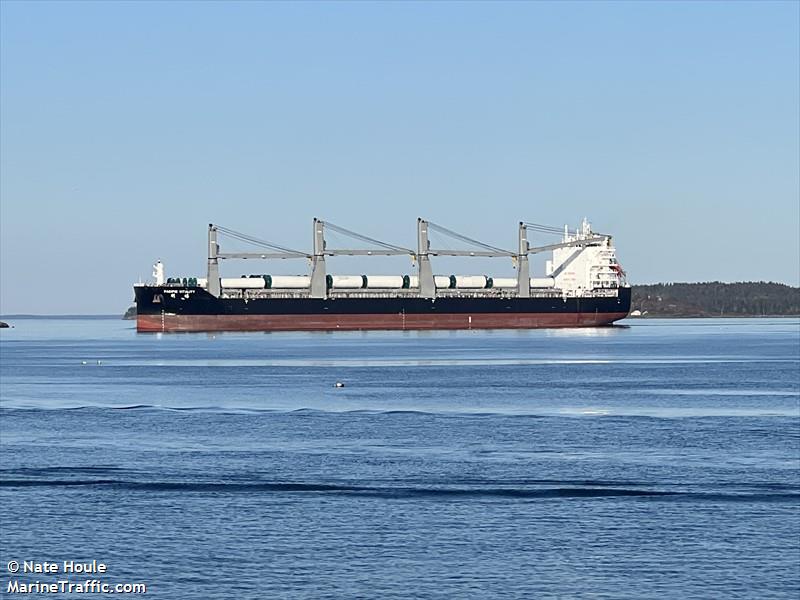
column 716, row 299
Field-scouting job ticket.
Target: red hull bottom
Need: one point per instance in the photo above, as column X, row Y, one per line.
column 401, row 322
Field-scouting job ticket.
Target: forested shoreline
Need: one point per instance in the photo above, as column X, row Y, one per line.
column 716, row 299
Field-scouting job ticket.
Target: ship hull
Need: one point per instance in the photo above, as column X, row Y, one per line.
column 193, row 309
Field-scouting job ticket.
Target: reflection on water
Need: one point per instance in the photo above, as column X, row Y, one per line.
column 584, row 332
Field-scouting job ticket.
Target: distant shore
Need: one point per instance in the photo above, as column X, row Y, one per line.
column 715, row 299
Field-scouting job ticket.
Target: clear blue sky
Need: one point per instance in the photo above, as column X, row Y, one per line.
column 127, row 127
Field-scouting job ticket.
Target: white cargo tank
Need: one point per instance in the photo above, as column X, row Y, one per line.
column 471, row 281
column 444, row 281
column 504, row 283
column 290, row 282
column 348, row 282
column 243, row 283
column 542, row 282
column 385, row 281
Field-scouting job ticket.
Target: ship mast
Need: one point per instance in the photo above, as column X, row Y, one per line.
column 213, row 262
column 523, row 267
column 319, row 284
column 427, row 285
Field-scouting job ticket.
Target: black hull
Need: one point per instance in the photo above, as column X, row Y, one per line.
column 194, row 309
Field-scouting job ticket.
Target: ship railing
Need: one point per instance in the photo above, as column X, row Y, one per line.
column 413, row 293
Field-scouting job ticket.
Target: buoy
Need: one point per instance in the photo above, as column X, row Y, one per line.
column 99, row 363
column 83, row 362
column 338, row 384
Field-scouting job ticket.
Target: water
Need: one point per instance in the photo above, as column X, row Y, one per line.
column 656, row 460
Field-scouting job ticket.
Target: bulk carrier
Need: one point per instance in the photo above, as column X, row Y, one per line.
column 584, row 286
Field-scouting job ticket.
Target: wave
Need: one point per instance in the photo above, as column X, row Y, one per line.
column 723, row 392
column 407, row 492
column 625, row 413
column 428, row 482
column 46, row 470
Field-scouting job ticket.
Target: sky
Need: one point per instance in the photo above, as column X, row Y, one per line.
column 125, row 128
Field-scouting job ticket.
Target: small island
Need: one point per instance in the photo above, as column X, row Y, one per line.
column 130, row 314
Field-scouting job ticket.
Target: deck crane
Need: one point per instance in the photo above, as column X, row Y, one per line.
column 427, row 286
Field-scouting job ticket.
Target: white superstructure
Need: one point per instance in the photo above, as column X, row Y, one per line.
column 575, row 270
column 158, row 272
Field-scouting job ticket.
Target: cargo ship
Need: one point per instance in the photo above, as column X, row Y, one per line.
column 583, row 286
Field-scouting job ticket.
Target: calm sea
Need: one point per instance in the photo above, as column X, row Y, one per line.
column 655, row 460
